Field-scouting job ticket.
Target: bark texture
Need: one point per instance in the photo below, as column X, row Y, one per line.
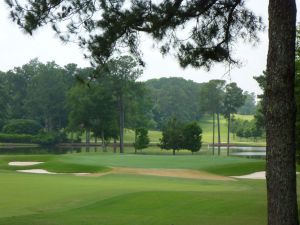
column 280, row 114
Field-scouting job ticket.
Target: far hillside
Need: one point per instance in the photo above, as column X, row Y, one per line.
column 174, row 97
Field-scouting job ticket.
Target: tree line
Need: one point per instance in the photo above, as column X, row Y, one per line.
column 103, row 101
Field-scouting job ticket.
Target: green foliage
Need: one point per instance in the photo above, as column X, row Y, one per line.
column 213, row 26
column 50, row 138
column 174, row 97
column 233, row 99
column 177, row 135
column 249, row 107
column 22, row 126
column 172, row 136
column 16, row 138
column 192, row 136
column 142, row 138
column 37, row 91
column 260, row 111
column 212, row 96
column 247, row 129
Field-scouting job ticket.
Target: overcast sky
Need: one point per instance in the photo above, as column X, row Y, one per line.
column 18, row 48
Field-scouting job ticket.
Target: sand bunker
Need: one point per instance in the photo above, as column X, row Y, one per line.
column 257, row 176
column 39, row 171
column 179, row 173
column 23, row 163
column 42, row 171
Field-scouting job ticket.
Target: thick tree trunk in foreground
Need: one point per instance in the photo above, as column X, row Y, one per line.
column 219, row 134
column 228, row 134
column 213, row 133
column 280, row 114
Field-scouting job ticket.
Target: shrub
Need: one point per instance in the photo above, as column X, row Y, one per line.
column 21, row 126
column 16, row 138
column 50, row 138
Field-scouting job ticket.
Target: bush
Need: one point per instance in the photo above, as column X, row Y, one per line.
column 50, row 138
column 16, row 138
column 21, row 126
column 177, row 135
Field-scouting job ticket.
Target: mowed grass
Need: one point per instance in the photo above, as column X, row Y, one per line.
column 128, row 199
column 206, row 123
column 121, row 199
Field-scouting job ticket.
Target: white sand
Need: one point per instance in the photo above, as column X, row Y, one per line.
column 42, row 171
column 39, row 171
column 257, row 176
column 23, row 163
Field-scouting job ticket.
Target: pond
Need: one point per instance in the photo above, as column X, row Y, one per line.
column 249, row 152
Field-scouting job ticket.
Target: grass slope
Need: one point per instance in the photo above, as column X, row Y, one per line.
column 127, row 199
column 120, row 199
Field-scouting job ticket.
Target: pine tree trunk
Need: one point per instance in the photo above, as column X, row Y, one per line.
column 280, row 114
column 102, row 141
column 213, row 133
column 72, row 137
column 88, row 135
column 115, row 145
column 121, row 108
column 219, row 134
column 228, row 134
column 135, row 137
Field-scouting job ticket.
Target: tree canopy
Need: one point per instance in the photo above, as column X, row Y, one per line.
column 212, row 26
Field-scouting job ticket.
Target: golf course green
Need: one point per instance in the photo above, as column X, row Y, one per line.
column 110, row 198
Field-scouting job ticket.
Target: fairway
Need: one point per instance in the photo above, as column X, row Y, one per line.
column 127, row 198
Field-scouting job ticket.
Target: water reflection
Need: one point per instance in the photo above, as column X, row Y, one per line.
column 249, row 152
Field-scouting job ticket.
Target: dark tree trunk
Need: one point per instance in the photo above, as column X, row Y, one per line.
column 135, row 137
column 103, row 141
column 280, row 114
column 228, row 134
column 173, row 151
column 95, row 139
column 219, row 134
column 88, row 135
column 121, row 111
column 115, row 145
column 72, row 137
column 213, row 133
